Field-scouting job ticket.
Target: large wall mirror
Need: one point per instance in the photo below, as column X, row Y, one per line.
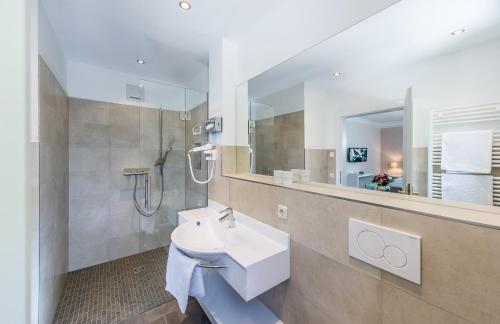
column 407, row 101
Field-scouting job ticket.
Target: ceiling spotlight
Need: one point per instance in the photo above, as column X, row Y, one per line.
column 336, row 74
column 457, row 32
column 185, row 5
column 141, row 61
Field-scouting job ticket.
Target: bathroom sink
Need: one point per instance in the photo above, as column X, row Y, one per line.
column 251, row 256
column 203, row 239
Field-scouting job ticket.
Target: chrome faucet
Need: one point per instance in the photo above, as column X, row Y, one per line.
column 227, row 214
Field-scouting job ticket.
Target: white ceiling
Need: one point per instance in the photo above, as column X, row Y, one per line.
column 175, row 43
column 409, row 31
column 385, row 119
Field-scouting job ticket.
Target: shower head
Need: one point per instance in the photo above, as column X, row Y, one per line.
column 162, row 159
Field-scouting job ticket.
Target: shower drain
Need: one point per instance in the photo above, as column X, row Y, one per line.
column 139, row 269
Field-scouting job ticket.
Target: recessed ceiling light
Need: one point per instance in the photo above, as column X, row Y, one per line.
column 184, row 5
column 336, row 74
column 457, row 32
column 141, row 61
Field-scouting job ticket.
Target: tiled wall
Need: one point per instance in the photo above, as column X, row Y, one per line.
column 460, row 262
column 104, row 139
column 322, row 164
column 196, row 194
column 53, row 192
column 279, row 143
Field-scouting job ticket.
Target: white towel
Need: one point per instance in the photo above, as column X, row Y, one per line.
column 184, row 277
column 471, row 188
column 468, row 152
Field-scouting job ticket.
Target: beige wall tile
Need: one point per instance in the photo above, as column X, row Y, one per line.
column 460, row 265
column 402, row 308
column 279, row 143
column 89, row 111
column 124, row 126
column 104, row 139
column 321, row 223
column 460, row 262
column 218, row 190
column 293, row 308
column 341, row 294
column 228, row 159
column 52, row 174
column 316, row 160
column 84, row 134
column 256, row 200
column 149, row 129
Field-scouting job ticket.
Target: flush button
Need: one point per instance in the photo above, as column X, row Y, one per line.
column 386, row 248
column 371, row 244
column 395, row 256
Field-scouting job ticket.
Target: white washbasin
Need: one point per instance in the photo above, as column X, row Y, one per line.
column 203, row 238
column 253, row 256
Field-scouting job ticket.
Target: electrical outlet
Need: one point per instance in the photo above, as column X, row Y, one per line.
column 283, row 212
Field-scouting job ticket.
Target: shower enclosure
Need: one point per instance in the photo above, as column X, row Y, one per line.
column 179, row 111
column 87, row 212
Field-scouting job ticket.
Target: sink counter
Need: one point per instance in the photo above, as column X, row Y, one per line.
column 250, row 241
column 254, row 257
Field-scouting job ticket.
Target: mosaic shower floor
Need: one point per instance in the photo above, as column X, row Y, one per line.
column 115, row 291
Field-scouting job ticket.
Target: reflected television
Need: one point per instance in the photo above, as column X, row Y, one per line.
column 357, row 154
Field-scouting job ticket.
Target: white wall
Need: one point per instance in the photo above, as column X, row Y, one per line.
column 101, row 84
column 199, row 81
column 468, row 77
column 295, row 26
column 242, row 113
column 361, row 134
column 222, row 94
column 282, row 34
column 50, row 48
column 465, row 78
column 319, row 118
column 16, row 193
column 282, row 102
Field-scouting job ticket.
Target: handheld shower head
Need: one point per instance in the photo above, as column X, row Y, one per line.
column 161, row 159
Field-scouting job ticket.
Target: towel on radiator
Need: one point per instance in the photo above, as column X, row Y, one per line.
column 468, row 152
column 471, row 188
column 184, row 277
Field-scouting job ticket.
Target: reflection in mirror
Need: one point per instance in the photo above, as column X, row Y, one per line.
column 277, row 138
column 399, row 103
column 374, row 141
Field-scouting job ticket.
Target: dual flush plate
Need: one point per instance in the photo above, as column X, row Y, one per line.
column 386, row 248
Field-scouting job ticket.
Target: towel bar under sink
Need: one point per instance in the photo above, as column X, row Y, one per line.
column 209, row 266
column 205, row 266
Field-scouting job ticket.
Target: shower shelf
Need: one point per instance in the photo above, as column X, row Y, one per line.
column 135, row 171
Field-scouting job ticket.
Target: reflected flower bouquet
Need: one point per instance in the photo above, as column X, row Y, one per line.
column 382, row 180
